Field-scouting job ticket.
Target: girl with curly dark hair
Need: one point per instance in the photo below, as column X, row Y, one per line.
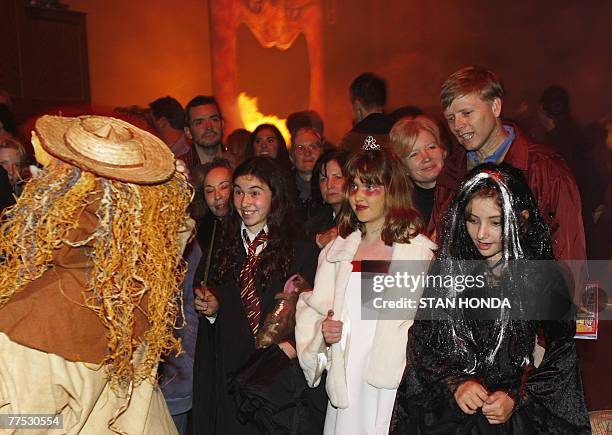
column 262, row 248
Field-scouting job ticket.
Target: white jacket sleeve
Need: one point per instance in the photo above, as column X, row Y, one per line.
column 388, row 358
column 311, row 310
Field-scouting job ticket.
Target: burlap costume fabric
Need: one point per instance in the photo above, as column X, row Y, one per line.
column 49, row 315
column 50, row 363
column 35, row 382
column 87, row 311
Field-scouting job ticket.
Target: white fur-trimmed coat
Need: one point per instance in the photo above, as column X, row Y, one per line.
column 388, row 357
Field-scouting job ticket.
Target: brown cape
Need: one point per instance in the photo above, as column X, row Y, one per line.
column 48, row 314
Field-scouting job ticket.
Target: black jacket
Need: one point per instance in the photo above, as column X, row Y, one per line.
column 225, row 346
column 443, row 352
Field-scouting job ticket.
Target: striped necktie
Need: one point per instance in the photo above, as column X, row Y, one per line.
column 248, row 293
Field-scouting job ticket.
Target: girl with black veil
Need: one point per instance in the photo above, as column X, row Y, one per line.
column 471, row 371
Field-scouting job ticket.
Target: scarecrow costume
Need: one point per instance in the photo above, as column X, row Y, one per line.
column 90, row 273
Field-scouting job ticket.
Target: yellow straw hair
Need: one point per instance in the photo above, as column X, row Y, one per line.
column 136, row 268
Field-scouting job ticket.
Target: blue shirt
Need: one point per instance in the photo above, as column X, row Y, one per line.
column 493, row 158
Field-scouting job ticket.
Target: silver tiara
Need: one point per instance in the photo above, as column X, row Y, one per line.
column 370, row 144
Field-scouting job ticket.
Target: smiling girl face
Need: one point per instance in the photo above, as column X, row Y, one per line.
column 253, row 201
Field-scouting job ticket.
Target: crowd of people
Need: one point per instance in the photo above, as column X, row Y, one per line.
column 270, row 292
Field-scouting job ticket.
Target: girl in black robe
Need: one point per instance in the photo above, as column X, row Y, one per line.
column 472, row 371
column 226, row 341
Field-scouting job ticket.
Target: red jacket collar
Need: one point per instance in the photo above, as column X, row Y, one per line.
column 518, row 153
column 455, row 167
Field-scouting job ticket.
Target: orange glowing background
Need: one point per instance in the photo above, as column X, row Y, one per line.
column 144, row 49
column 141, row 50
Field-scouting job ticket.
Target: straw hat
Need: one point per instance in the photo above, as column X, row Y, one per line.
column 108, row 147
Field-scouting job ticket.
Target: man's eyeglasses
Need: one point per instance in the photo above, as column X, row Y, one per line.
column 301, row 148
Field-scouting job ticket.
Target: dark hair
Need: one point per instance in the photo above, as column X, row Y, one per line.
column 201, row 171
column 319, row 168
column 170, row 109
column 7, row 120
column 198, row 207
column 555, row 101
column 405, row 112
column 469, row 80
column 519, row 280
column 200, row 100
column 382, row 167
column 369, row 89
column 237, row 143
column 283, row 229
column 488, row 180
column 305, row 118
column 282, row 155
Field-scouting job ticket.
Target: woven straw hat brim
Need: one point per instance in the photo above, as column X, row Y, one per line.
column 142, row 159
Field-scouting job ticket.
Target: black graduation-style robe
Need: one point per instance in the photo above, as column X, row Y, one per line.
column 224, row 346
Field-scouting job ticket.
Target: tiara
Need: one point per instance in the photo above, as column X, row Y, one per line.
column 370, row 144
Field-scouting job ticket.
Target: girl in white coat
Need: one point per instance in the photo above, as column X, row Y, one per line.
column 364, row 359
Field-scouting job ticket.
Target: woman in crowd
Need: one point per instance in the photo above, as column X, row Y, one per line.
column 14, row 159
column 328, row 179
column 209, row 208
column 471, row 371
column 267, row 140
column 417, row 142
column 262, row 248
column 364, row 359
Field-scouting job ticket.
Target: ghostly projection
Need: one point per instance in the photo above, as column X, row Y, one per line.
column 275, row 24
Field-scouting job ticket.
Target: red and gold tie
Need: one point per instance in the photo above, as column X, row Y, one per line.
column 248, row 294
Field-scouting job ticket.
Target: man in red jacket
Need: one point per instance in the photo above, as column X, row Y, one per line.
column 472, row 102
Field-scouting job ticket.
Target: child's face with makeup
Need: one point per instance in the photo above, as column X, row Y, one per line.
column 367, row 201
